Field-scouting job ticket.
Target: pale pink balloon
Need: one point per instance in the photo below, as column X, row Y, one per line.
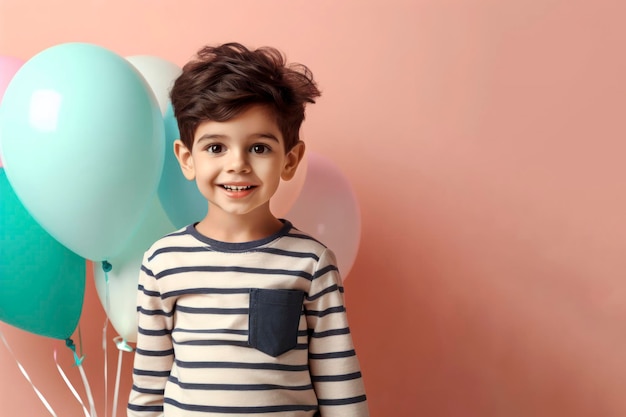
column 328, row 209
column 288, row 191
column 8, row 67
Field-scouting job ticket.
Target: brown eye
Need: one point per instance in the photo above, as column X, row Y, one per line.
column 260, row 148
column 215, row 148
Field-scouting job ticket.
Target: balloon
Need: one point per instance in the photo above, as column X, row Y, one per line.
column 179, row 197
column 288, row 191
column 42, row 283
column 327, row 208
column 160, row 75
column 121, row 288
column 8, row 67
column 82, row 139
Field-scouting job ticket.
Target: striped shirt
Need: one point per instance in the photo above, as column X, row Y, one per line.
column 238, row 329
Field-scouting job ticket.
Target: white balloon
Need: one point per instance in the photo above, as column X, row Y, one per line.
column 121, row 288
column 159, row 73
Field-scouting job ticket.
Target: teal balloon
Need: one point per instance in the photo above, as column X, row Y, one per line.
column 42, row 283
column 82, row 139
column 181, row 200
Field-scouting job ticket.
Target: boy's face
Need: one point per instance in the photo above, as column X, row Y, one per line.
column 238, row 164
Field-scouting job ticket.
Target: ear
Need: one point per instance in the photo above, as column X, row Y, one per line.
column 184, row 160
column 292, row 159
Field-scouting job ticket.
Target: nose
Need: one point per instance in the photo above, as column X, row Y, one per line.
column 238, row 161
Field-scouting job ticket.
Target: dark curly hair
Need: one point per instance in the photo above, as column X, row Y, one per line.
column 222, row 81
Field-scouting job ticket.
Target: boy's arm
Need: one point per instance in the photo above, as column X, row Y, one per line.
column 154, row 354
column 333, row 363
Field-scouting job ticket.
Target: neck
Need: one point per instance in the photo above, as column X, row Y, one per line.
column 238, row 228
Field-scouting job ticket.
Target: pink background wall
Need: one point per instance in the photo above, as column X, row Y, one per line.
column 485, row 142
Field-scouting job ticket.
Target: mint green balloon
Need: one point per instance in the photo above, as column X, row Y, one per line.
column 82, row 139
column 42, row 283
column 180, row 198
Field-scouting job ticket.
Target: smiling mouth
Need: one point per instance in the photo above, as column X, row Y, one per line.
column 237, row 187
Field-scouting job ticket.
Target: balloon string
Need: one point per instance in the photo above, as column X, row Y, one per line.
column 106, row 366
column 80, row 341
column 79, row 364
column 106, row 268
column 25, row 374
column 88, row 390
column 70, row 386
column 122, row 347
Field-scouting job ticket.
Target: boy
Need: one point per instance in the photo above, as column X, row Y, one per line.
column 242, row 314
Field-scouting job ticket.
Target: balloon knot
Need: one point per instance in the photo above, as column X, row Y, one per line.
column 70, row 344
column 122, row 345
column 106, row 266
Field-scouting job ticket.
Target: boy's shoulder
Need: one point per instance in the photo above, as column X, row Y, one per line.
column 175, row 238
column 298, row 238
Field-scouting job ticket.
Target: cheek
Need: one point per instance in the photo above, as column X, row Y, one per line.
column 270, row 175
column 204, row 174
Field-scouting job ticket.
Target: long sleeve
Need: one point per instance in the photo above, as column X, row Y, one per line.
column 334, row 367
column 154, row 354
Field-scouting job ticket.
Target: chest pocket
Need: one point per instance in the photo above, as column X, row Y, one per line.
column 273, row 320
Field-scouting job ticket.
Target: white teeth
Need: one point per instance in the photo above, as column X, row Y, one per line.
column 237, row 188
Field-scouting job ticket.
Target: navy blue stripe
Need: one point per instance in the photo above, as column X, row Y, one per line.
column 148, row 332
column 155, row 312
column 290, row 254
column 325, row 270
column 183, row 249
column 206, row 291
column 143, row 372
column 240, row 410
column 301, row 333
column 333, row 332
column 240, row 269
column 144, row 352
column 335, row 378
column 325, row 291
column 241, row 365
column 158, row 408
column 148, row 390
column 148, row 292
column 239, row 387
column 333, row 355
column 211, row 331
column 343, row 401
column 303, row 237
column 240, row 343
column 331, row 310
column 210, row 310
column 147, row 271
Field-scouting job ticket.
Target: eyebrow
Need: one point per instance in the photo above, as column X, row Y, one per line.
column 266, row 135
